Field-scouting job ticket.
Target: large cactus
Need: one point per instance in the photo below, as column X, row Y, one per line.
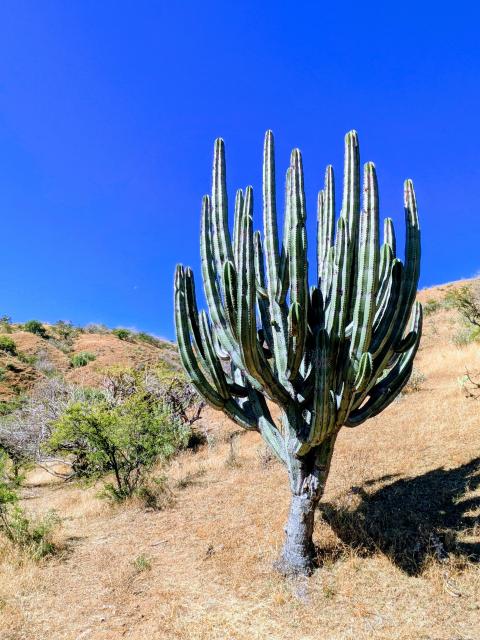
column 329, row 350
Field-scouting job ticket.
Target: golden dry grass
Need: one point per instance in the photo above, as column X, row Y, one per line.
column 403, row 489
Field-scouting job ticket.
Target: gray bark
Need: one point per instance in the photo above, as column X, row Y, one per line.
column 308, row 476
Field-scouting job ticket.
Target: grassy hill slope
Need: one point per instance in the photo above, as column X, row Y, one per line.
column 37, row 357
column 399, row 542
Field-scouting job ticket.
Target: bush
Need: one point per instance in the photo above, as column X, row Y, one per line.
column 6, row 324
column 36, row 327
column 25, row 422
column 123, row 433
column 66, row 330
column 431, row 306
column 466, row 300
column 32, row 536
column 122, row 334
column 7, row 345
column 148, row 338
column 415, row 382
column 94, row 327
column 81, row 359
column 44, row 364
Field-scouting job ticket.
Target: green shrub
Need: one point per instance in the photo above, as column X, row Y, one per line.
column 81, row 359
column 148, row 338
column 122, row 334
column 142, row 563
column 416, row 381
column 9, row 406
column 65, row 330
column 124, row 433
column 95, row 327
column 26, row 358
column 7, row 345
column 32, row 536
column 36, row 327
column 431, row 306
column 6, row 324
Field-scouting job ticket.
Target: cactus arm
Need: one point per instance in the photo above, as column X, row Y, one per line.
column 252, row 356
column 270, row 211
column 236, row 225
column 367, row 272
column 323, row 413
column 412, row 256
column 385, row 321
column 214, row 366
column 221, row 235
column 393, row 380
column 230, row 286
column 325, row 226
column 262, row 293
column 298, row 268
column 210, row 280
column 189, row 361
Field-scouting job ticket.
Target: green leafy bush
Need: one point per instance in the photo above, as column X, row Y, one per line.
column 36, row 327
column 81, row 359
column 32, row 535
column 7, row 345
column 122, row 334
column 123, row 433
column 466, row 300
column 6, row 324
column 148, row 338
column 431, row 306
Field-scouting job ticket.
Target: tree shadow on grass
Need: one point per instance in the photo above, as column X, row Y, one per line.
column 412, row 519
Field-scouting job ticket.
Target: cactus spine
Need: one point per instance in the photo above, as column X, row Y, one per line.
column 330, row 354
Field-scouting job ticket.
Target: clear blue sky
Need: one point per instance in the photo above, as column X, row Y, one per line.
column 109, row 109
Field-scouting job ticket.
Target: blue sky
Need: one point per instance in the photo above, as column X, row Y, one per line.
column 109, row 110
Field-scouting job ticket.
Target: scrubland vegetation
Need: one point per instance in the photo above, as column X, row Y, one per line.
column 182, row 546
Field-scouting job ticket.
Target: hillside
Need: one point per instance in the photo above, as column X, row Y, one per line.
column 37, row 357
column 399, row 542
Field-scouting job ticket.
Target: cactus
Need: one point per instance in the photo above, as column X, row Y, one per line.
column 329, row 354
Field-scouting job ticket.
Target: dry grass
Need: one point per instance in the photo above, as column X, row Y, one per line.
column 398, row 543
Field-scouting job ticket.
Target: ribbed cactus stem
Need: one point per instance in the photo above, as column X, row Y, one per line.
column 329, row 354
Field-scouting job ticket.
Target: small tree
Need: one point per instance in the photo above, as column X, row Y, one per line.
column 466, row 300
column 329, row 350
column 32, row 536
column 7, row 345
column 81, row 359
column 125, row 432
column 36, row 327
column 122, row 334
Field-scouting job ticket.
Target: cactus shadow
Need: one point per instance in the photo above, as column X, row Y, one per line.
column 413, row 519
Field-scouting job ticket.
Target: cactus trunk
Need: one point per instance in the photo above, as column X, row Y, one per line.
column 329, row 350
column 307, row 483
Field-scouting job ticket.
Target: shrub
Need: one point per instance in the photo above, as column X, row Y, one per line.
column 466, row 300
column 25, row 422
column 36, row 327
column 122, row 334
column 66, row 330
column 95, row 327
column 142, row 563
column 431, row 307
column 32, row 536
column 149, row 339
column 6, row 324
column 44, row 364
column 415, row 382
column 7, row 345
column 123, row 433
column 81, row 359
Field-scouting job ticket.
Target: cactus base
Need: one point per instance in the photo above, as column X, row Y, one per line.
column 298, row 554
